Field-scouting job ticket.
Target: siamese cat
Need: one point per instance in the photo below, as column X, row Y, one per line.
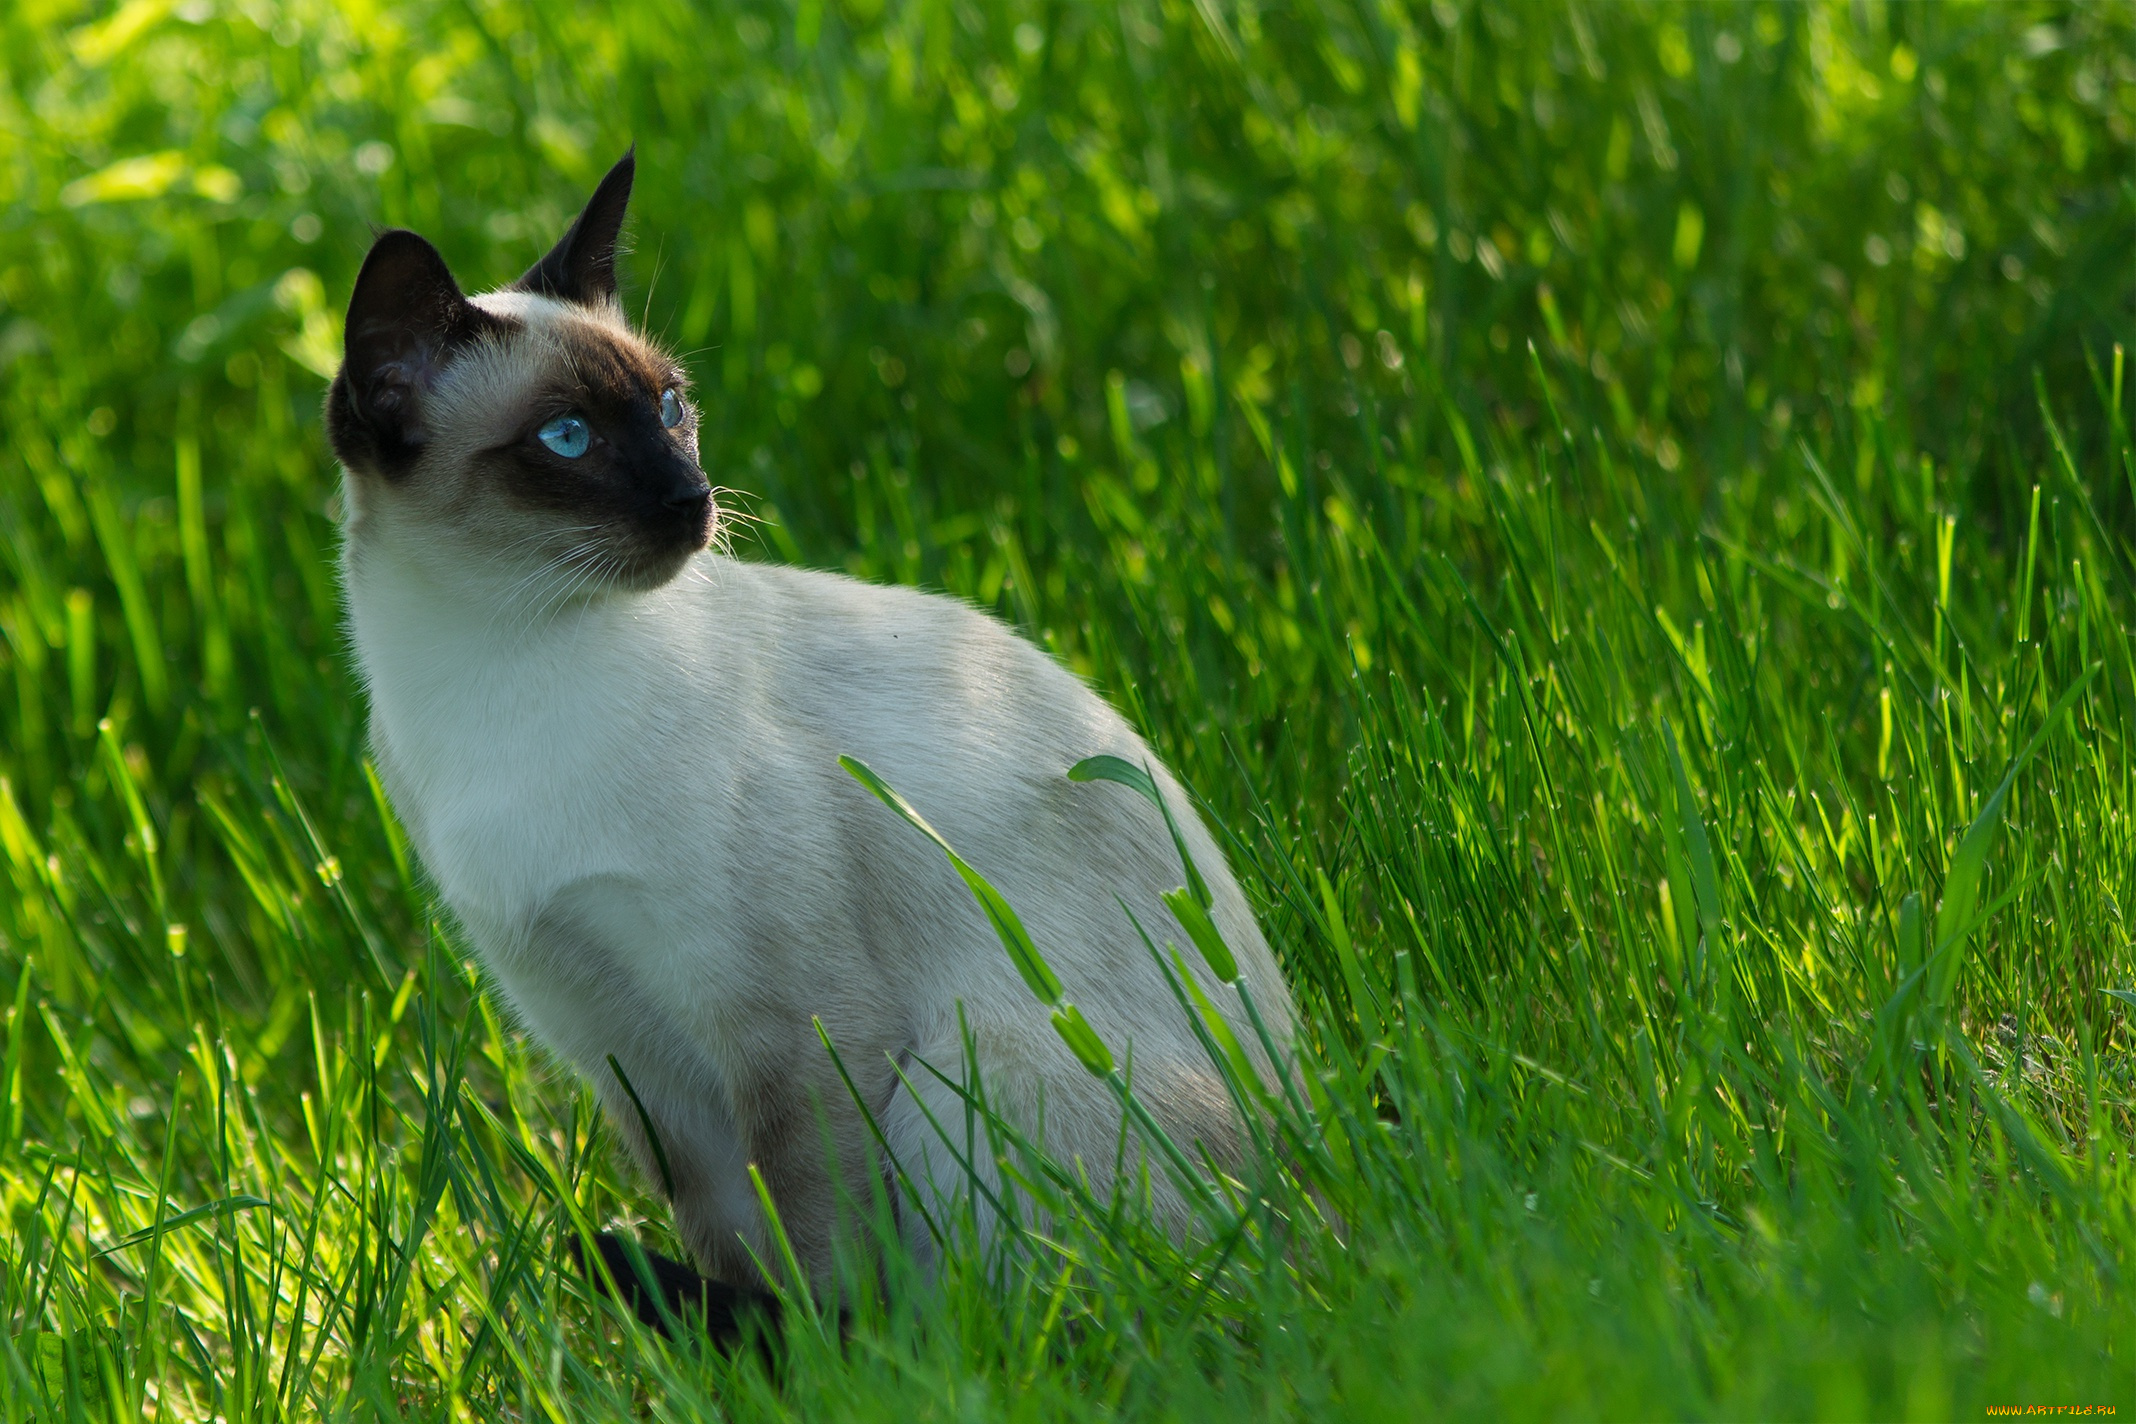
column 616, row 752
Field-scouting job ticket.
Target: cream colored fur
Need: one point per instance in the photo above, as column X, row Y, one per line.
column 632, row 802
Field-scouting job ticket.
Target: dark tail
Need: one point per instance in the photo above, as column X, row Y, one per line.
column 672, row 1298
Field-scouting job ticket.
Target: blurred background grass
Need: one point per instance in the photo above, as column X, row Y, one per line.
column 1405, row 412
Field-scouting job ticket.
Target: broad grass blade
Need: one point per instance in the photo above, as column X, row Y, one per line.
column 1015, row 938
column 1112, row 768
column 1705, row 882
column 1961, row 888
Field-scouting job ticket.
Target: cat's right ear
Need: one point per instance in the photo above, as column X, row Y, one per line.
column 582, row 266
column 407, row 318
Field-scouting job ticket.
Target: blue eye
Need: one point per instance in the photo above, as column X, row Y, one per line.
column 567, row 435
column 671, row 408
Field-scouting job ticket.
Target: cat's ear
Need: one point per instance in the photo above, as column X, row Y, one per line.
column 406, row 320
column 582, row 266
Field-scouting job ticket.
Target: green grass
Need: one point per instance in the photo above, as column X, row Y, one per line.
column 1597, row 498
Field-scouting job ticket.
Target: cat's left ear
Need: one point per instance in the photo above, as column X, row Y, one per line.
column 582, row 267
column 407, row 322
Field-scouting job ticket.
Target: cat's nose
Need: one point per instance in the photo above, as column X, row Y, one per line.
column 689, row 501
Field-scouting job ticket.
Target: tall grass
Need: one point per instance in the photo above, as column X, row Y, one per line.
column 1626, row 514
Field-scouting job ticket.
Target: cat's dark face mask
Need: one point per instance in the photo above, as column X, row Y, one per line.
column 530, row 431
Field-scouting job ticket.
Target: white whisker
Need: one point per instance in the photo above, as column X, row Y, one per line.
column 553, row 581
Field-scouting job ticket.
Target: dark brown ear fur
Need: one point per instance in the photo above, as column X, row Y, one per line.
column 582, row 266
column 406, row 320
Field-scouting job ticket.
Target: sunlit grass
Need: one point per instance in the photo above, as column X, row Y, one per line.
column 1596, row 499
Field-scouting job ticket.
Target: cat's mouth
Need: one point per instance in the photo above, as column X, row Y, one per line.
column 634, row 553
column 660, row 541
column 676, row 519
column 693, row 517
column 648, row 539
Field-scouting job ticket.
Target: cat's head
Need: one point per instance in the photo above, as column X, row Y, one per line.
column 520, row 433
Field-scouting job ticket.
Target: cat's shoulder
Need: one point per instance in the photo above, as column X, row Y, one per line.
column 824, row 643
column 807, row 605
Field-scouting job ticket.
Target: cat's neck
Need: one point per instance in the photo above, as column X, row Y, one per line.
column 429, row 630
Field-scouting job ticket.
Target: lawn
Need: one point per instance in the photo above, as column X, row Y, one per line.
column 1625, row 515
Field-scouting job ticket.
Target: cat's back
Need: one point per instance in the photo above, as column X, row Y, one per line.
column 973, row 724
column 977, row 728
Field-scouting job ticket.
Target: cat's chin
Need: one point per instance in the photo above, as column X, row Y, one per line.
column 623, row 567
column 646, row 569
column 651, row 573
column 642, row 559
